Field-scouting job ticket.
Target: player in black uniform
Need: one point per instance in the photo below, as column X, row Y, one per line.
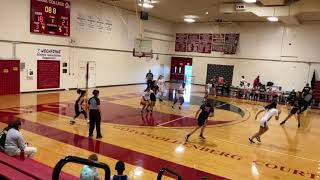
column 307, row 99
column 206, row 112
column 306, row 90
column 153, row 98
column 80, row 106
column 297, row 109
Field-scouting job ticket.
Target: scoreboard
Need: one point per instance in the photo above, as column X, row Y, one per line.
column 50, row 17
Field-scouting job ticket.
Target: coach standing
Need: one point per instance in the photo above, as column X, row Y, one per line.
column 95, row 114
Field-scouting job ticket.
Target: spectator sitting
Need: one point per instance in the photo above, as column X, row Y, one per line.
column 243, row 82
column 256, row 82
column 88, row 172
column 15, row 143
column 292, row 97
column 120, row 167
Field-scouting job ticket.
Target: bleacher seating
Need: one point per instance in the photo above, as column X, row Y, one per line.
column 14, row 168
column 316, row 92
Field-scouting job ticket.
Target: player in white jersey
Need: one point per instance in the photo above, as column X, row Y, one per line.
column 179, row 96
column 270, row 111
column 162, row 87
column 145, row 99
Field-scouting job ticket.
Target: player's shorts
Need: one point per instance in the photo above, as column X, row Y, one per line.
column 201, row 121
column 153, row 97
column 264, row 124
column 294, row 110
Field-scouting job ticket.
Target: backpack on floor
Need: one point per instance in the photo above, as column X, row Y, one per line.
column 116, row 177
column 3, row 136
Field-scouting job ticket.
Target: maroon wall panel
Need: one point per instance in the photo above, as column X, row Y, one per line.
column 48, row 74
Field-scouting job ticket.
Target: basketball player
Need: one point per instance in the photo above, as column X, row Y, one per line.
column 95, row 114
column 306, row 89
column 208, row 89
column 179, row 96
column 153, row 98
column 297, row 109
column 307, row 101
column 145, row 100
column 206, row 112
column 162, row 87
column 270, row 110
column 80, row 107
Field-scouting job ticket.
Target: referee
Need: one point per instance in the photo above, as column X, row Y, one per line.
column 94, row 114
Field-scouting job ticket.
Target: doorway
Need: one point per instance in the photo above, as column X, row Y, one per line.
column 188, row 74
column 177, row 71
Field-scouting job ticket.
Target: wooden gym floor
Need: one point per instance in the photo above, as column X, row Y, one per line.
column 148, row 142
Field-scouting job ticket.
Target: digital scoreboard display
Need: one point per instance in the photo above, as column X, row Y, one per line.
column 50, row 17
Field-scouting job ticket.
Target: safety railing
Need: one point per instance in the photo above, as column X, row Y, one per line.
column 78, row 160
column 163, row 170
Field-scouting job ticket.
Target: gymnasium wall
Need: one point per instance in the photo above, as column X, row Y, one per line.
column 263, row 50
column 112, row 51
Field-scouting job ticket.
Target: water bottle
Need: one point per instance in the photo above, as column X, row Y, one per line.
column 22, row 155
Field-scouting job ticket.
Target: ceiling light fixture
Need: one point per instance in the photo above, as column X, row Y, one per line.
column 189, row 20
column 273, row 19
column 146, row 5
column 207, row 12
column 250, row 1
column 149, row 1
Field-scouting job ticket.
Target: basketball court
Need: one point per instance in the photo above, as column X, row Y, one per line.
column 218, row 48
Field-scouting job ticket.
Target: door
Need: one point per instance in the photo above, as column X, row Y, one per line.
column 82, row 75
column 87, row 74
column 161, row 71
column 177, row 71
column 188, row 74
column 91, row 74
column 9, row 77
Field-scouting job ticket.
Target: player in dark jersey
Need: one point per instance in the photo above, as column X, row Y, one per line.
column 206, row 112
column 297, row 109
column 306, row 90
column 80, row 106
column 153, row 98
column 307, row 99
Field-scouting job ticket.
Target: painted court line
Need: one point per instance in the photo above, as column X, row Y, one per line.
column 186, row 116
column 135, row 158
column 174, row 120
column 313, row 160
column 220, row 105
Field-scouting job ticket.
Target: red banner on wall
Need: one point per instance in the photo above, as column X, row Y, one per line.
column 205, row 44
column 181, row 42
column 193, row 43
column 48, row 74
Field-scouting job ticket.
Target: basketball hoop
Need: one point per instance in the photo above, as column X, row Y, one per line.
column 143, row 48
